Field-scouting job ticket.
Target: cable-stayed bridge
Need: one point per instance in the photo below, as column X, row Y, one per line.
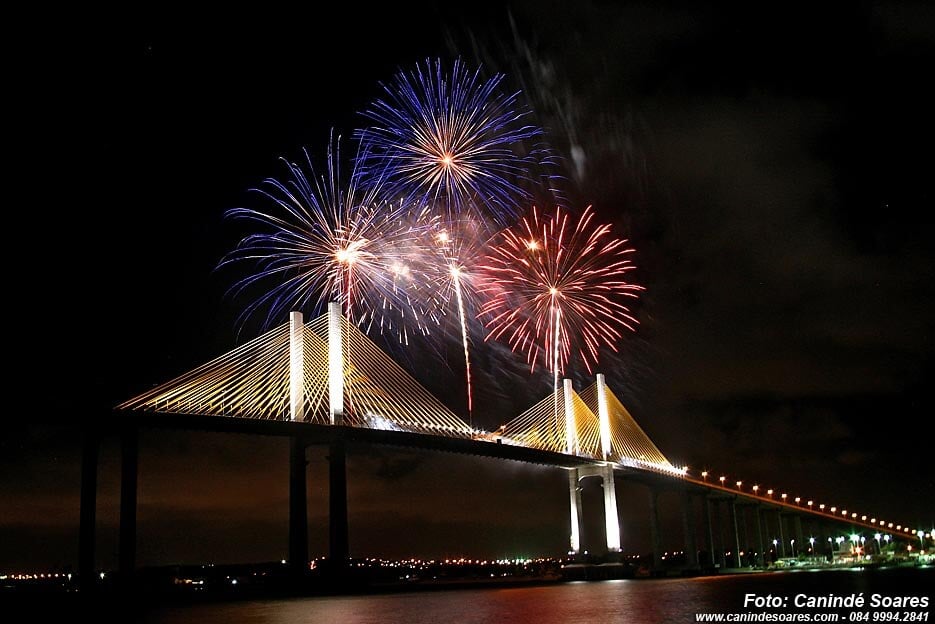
column 326, row 382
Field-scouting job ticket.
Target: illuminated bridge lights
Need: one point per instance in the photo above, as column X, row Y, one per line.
column 810, row 503
column 267, row 376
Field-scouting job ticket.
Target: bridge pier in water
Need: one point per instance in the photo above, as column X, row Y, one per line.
column 129, row 478
column 782, row 535
column 90, row 452
column 708, row 529
column 688, row 527
column 298, row 507
column 735, row 546
column 574, row 494
column 655, row 531
column 605, row 471
column 761, row 553
column 611, row 519
column 799, row 535
column 339, row 550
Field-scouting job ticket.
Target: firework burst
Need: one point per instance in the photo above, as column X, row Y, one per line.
column 450, row 139
column 552, row 289
column 322, row 242
column 458, row 245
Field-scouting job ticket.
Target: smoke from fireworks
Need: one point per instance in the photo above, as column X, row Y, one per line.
column 450, row 139
column 551, row 289
column 323, row 242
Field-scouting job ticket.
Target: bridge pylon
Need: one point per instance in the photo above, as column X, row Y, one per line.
column 604, row 470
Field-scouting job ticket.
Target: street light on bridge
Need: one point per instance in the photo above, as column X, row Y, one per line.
column 769, row 493
column 810, row 505
column 784, row 497
column 798, row 499
column 821, row 507
column 834, row 509
column 756, row 489
column 704, row 475
column 739, row 483
column 722, row 479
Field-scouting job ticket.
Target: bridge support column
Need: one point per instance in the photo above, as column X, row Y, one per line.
column 688, row 527
column 611, row 519
column 88, row 511
column 722, row 543
column 736, row 545
column 129, row 462
column 335, row 364
column 574, row 496
column 799, row 535
column 821, row 540
column 759, row 536
column 782, row 537
column 337, row 502
column 296, row 366
column 708, row 532
column 298, row 508
column 654, row 528
column 743, row 532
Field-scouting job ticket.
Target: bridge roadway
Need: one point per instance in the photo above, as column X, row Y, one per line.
column 315, row 434
column 302, row 435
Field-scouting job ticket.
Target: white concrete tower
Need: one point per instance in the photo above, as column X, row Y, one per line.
column 611, row 520
column 571, row 447
column 571, row 431
column 335, row 364
column 296, row 366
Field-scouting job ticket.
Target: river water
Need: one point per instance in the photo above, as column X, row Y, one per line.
column 649, row 601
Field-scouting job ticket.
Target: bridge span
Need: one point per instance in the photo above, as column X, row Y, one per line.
column 325, row 383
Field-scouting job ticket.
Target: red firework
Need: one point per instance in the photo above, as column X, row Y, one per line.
column 551, row 288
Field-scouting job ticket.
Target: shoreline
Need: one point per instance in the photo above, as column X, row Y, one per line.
column 141, row 597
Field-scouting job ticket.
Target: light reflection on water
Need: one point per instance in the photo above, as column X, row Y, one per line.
column 640, row 601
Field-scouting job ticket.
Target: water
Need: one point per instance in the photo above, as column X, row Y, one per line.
column 649, row 601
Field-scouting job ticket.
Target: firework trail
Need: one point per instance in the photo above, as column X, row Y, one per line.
column 321, row 241
column 458, row 246
column 451, row 139
column 551, row 289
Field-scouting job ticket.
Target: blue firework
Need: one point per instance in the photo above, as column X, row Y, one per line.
column 319, row 241
column 451, row 139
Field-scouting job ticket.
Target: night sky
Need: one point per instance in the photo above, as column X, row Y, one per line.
column 771, row 166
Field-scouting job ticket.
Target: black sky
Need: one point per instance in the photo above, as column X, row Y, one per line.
column 771, row 164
